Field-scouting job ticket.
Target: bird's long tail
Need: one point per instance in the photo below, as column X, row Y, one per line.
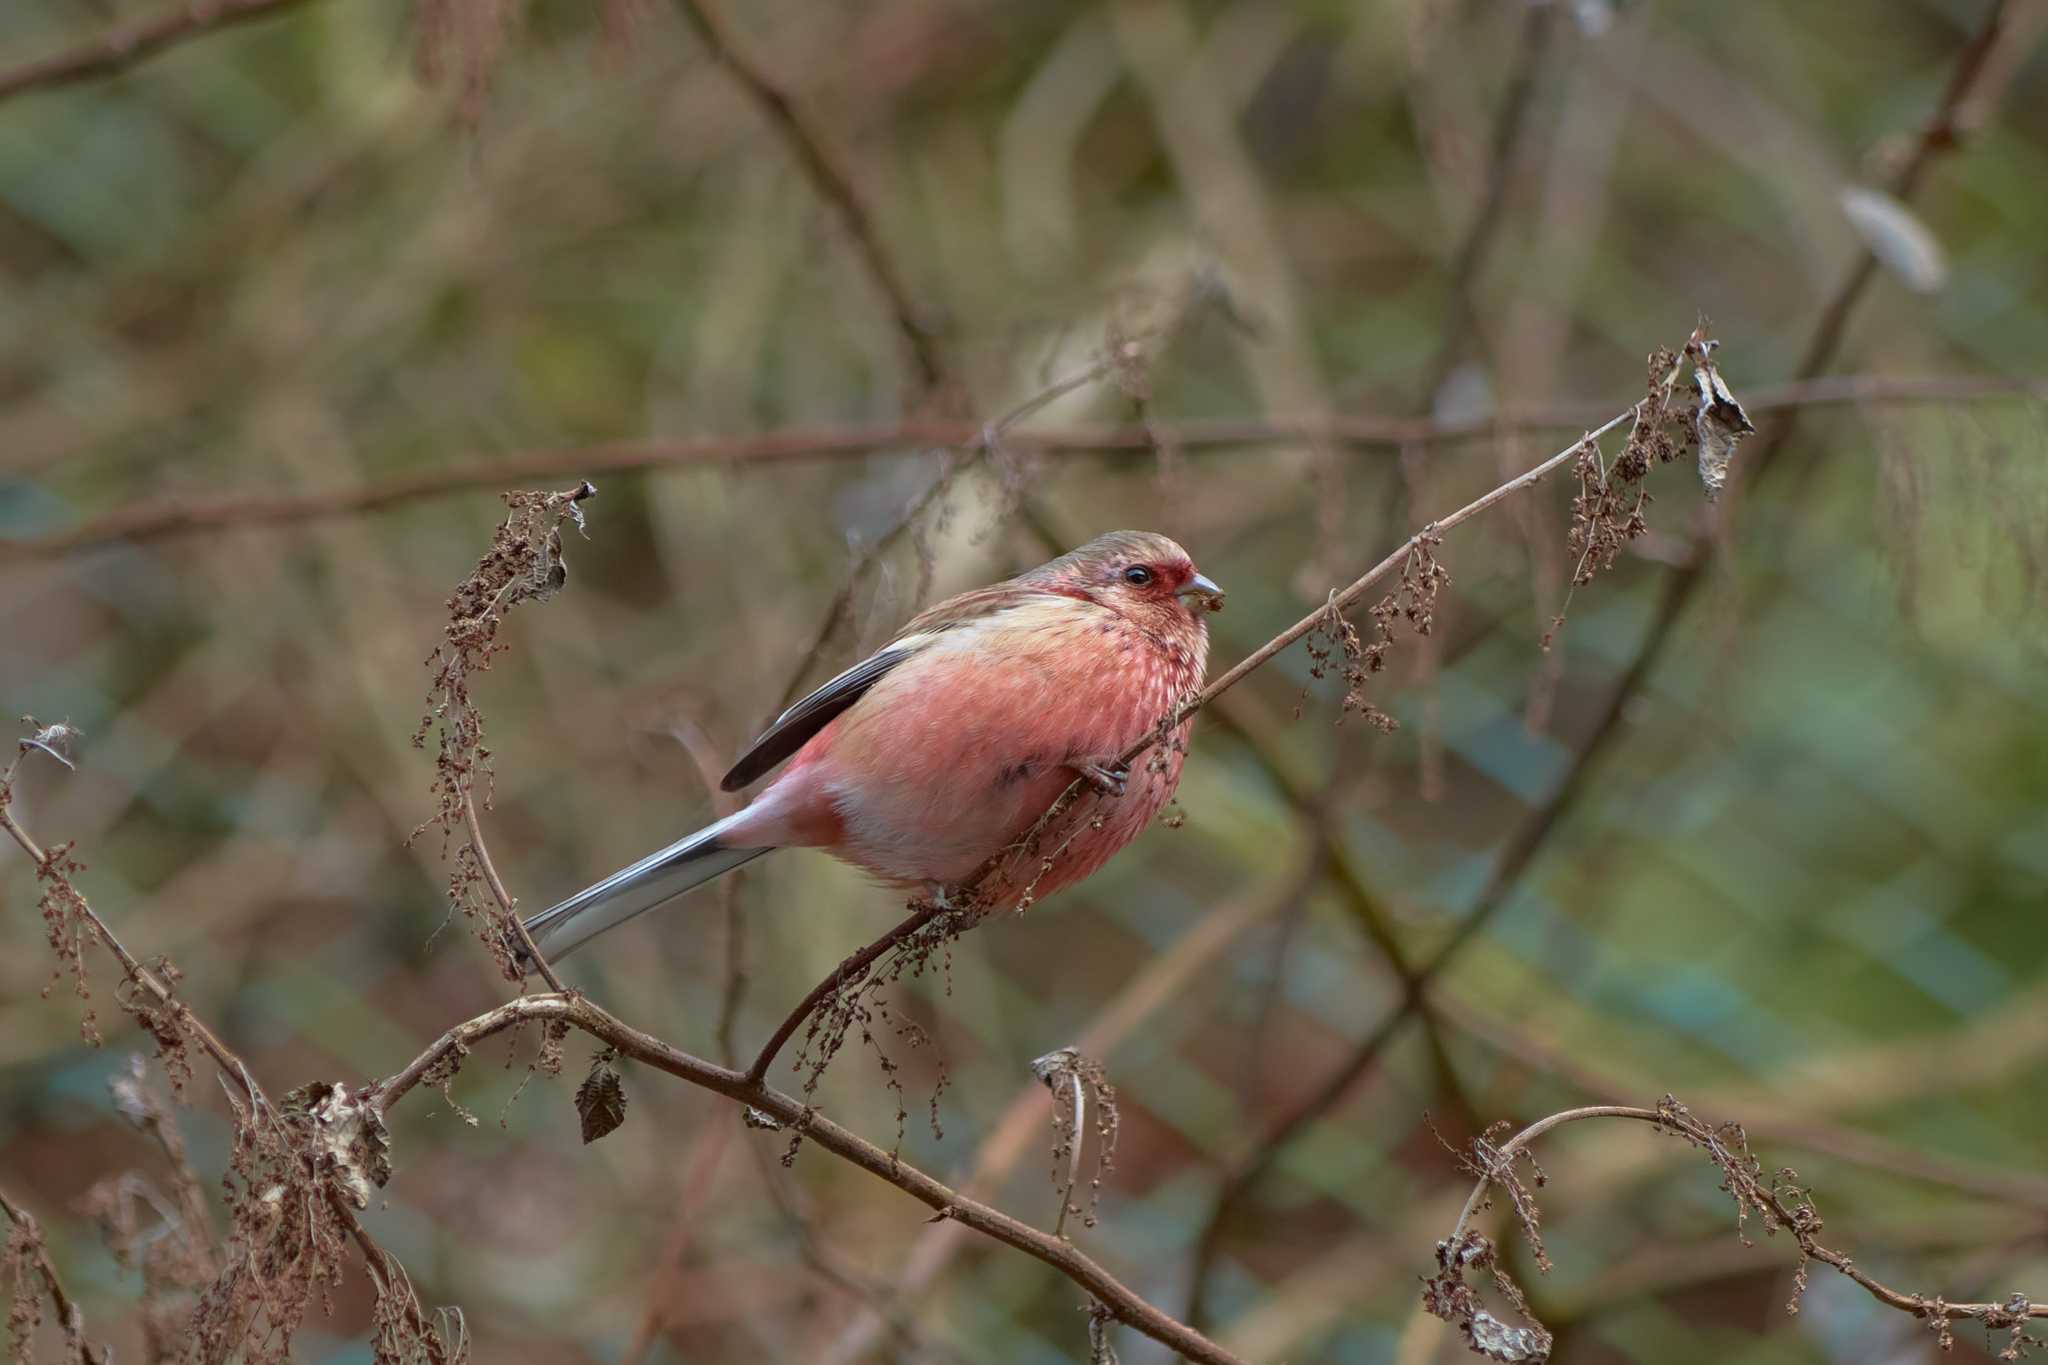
column 653, row 881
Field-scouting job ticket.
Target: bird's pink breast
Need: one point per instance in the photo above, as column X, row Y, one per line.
column 956, row 753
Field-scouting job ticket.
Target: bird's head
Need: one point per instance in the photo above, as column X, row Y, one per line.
column 1141, row 574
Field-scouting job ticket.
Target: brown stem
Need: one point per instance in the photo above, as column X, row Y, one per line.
column 1359, row 586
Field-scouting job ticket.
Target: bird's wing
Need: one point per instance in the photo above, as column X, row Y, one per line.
column 794, row 727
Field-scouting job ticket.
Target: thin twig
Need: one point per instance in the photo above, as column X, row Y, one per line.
column 1162, row 980
column 1359, row 586
column 127, row 45
column 168, row 517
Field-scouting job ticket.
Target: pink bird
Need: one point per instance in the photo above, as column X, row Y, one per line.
column 943, row 748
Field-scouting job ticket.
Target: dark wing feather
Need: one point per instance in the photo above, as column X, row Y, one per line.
column 794, row 727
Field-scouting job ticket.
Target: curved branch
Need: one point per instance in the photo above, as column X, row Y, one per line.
column 1727, row 1147
column 847, row 971
column 1123, row 1303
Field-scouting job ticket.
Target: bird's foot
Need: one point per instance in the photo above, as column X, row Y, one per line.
column 1106, row 775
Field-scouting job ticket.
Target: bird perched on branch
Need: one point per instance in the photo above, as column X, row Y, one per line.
column 944, row 748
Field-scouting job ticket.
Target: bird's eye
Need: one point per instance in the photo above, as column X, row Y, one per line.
column 1137, row 575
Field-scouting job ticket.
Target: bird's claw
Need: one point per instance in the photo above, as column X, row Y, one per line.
column 1105, row 775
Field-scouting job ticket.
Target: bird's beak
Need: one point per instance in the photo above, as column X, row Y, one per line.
column 1202, row 588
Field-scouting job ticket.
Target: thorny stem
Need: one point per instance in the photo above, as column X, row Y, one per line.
column 68, row 1311
column 580, row 1013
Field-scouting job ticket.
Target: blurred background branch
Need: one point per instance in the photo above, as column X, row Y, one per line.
column 124, row 45
column 161, row 518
